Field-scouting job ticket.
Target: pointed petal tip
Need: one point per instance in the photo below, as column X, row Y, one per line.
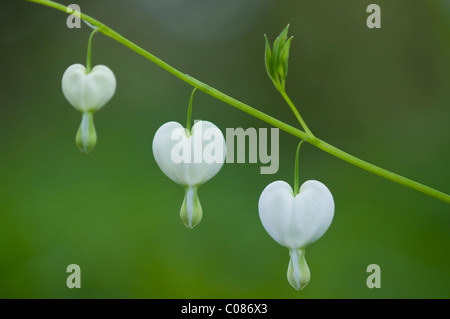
column 190, row 226
column 298, row 286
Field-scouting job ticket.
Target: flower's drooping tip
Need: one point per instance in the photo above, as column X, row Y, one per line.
column 298, row 273
column 191, row 211
column 86, row 136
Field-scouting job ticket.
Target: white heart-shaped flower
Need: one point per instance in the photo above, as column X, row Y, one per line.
column 88, row 92
column 189, row 158
column 296, row 221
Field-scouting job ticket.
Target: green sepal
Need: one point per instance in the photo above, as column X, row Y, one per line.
column 269, row 60
column 278, row 46
column 277, row 59
column 284, row 59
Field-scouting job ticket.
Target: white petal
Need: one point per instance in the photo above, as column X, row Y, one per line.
column 88, row 92
column 275, row 211
column 162, row 147
column 296, row 222
column 193, row 170
column 199, row 173
column 315, row 207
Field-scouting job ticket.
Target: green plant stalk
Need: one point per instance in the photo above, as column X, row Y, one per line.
column 297, row 114
column 296, row 169
column 254, row 112
column 89, row 52
column 189, row 115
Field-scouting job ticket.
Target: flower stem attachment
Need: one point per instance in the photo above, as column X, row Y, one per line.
column 89, row 52
column 296, row 169
column 189, row 114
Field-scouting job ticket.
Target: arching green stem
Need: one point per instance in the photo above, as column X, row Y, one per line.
column 254, row 112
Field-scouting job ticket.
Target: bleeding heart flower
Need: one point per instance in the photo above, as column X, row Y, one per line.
column 189, row 158
column 296, row 221
column 88, row 92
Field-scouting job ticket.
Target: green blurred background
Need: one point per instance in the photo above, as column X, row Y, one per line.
column 382, row 95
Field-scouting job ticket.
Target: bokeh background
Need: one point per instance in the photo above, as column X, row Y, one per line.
column 382, row 95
